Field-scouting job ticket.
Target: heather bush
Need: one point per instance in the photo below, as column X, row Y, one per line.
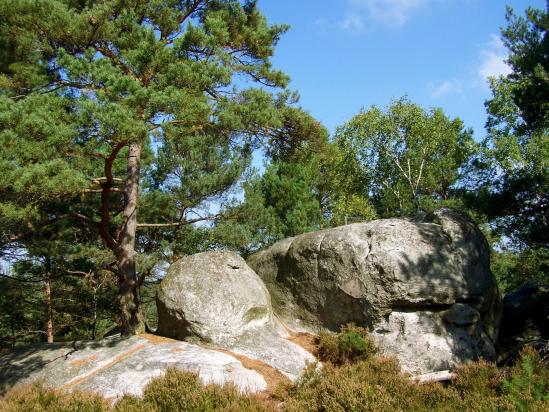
column 183, row 391
column 479, row 387
column 376, row 384
column 481, row 378
column 35, row 398
column 351, row 344
column 373, row 384
column 175, row 391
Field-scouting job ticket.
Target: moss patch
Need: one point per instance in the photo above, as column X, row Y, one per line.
column 257, row 312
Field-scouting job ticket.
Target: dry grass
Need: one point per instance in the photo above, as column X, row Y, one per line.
column 374, row 384
column 307, row 341
column 157, row 339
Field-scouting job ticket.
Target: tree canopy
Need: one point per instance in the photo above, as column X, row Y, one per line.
column 516, row 154
column 528, row 45
column 407, row 158
column 513, row 170
column 119, row 110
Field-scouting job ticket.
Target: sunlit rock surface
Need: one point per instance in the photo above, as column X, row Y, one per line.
column 423, row 288
column 215, row 297
column 116, row 366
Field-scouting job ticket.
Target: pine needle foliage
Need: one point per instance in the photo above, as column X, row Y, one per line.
column 129, row 118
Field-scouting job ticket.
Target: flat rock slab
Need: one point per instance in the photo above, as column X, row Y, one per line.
column 273, row 345
column 116, row 366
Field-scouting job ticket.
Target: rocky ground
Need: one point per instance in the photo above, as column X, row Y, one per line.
column 116, row 366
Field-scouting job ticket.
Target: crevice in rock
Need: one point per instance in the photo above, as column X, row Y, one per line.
column 319, row 252
column 421, row 307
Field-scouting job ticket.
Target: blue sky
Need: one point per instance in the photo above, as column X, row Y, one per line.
column 343, row 55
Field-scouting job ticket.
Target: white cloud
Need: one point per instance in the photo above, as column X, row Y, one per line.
column 353, row 23
column 490, row 62
column 445, row 88
column 492, row 59
column 389, row 12
column 321, row 25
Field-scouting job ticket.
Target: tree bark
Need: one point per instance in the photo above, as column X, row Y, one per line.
column 132, row 321
column 49, row 310
column 94, row 325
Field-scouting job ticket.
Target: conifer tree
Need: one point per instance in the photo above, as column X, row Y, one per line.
column 513, row 171
column 131, row 115
column 516, row 161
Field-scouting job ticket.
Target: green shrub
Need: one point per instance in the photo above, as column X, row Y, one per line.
column 351, row 344
column 528, row 384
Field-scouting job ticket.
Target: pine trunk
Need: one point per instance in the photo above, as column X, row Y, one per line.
column 132, row 321
column 94, row 325
column 49, row 310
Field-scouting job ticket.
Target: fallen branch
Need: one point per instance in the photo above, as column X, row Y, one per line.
column 440, row 376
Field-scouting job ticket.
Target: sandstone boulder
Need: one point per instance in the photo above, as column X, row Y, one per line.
column 116, row 366
column 212, row 296
column 216, row 298
column 525, row 320
column 423, row 288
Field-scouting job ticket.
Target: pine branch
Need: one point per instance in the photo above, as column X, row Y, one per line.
column 181, row 223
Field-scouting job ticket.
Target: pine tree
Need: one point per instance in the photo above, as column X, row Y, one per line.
column 513, row 172
column 114, row 109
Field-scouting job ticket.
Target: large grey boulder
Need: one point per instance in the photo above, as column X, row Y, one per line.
column 216, row 298
column 525, row 321
column 423, row 288
column 212, row 296
column 116, row 366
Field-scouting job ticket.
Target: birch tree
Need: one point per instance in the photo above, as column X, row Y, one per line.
column 408, row 158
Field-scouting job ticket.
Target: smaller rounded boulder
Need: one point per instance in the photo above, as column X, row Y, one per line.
column 211, row 296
